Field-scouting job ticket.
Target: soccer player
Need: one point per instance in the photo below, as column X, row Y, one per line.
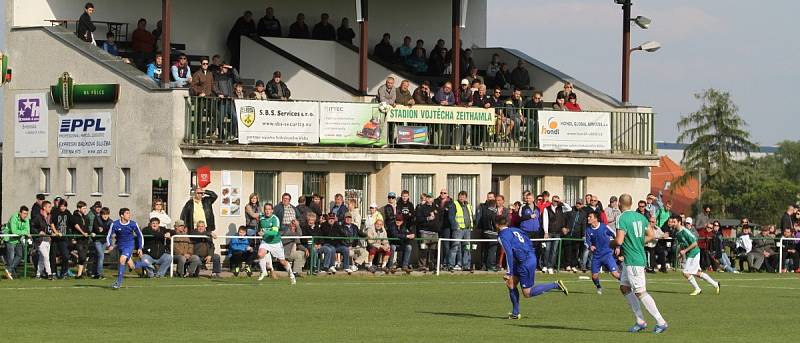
column 597, row 239
column 632, row 233
column 691, row 263
column 271, row 243
column 128, row 236
column 521, row 263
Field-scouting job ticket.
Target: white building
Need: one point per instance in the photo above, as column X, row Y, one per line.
column 153, row 133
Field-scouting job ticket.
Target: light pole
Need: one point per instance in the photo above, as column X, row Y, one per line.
column 642, row 22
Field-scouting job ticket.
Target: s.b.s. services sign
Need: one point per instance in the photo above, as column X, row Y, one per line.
column 84, row 135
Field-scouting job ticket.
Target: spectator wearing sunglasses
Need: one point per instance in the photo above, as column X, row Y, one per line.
column 181, row 74
column 202, row 83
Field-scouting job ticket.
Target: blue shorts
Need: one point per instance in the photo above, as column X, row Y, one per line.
column 606, row 261
column 526, row 272
column 126, row 251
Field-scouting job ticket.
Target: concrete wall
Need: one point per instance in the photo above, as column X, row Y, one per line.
column 259, row 62
column 143, row 132
column 603, row 181
column 334, row 59
column 204, row 25
column 541, row 80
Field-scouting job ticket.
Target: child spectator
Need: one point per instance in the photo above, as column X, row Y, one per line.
column 239, row 250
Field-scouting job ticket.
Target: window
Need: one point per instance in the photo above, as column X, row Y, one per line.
column 532, row 184
column 265, row 184
column 574, row 189
column 315, row 183
column 355, row 188
column 417, row 184
column 98, row 181
column 71, row 182
column 44, row 181
column 667, row 184
column 467, row 183
column 125, row 181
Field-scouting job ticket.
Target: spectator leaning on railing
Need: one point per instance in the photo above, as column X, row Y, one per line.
column 324, row 30
column 403, row 94
column 181, row 74
column 387, row 93
column 344, row 33
column 299, row 29
column 422, row 95
column 202, row 83
column 260, row 92
column 277, row 89
column 444, row 96
column 155, row 70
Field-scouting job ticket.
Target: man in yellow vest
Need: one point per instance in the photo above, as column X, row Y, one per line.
column 461, row 224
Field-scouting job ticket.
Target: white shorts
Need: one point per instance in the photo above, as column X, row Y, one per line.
column 274, row 249
column 633, row 277
column 692, row 265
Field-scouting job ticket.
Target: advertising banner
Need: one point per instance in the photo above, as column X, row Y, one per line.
column 574, row 130
column 84, row 135
column 277, row 121
column 352, row 124
column 30, row 125
column 412, row 135
column 441, row 115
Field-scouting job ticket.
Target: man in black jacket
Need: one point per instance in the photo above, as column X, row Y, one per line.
column 442, row 204
column 202, row 201
column 323, row 30
column 429, row 224
column 786, row 220
column 576, row 224
column 204, row 251
column 332, row 228
column 405, row 235
column 85, row 26
column 155, row 246
column 79, row 225
column 556, row 222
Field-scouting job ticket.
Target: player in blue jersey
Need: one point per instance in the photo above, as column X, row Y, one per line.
column 597, row 239
column 521, row 263
column 128, row 238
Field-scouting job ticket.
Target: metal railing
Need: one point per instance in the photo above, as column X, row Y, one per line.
column 212, row 121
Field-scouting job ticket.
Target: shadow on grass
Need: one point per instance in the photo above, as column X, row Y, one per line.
column 665, row 292
column 461, row 315
column 560, row 327
column 92, row 286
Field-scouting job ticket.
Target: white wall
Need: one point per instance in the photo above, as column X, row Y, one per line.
column 259, row 62
column 204, row 24
column 335, row 60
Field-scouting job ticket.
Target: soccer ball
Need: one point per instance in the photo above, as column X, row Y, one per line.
column 384, row 107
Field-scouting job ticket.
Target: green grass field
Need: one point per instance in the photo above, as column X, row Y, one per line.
column 448, row 308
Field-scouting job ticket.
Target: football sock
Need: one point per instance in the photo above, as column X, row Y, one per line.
column 120, row 272
column 289, row 269
column 633, row 302
column 650, row 306
column 539, row 289
column 513, row 293
column 693, row 282
column 263, row 264
column 596, row 283
column 708, row 279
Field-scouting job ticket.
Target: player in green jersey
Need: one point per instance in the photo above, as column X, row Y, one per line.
column 691, row 263
column 271, row 245
column 632, row 233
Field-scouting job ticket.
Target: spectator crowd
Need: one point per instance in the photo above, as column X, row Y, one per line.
column 397, row 236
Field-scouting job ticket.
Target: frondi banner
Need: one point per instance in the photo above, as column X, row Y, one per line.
column 30, row 125
column 277, row 121
column 84, row 135
column 352, row 124
column 574, row 130
column 441, row 115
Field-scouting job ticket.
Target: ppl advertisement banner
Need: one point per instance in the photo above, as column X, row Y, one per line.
column 574, row 130
column 30, row 125
column 84, row 135
column 352, row 124
column 277, row 121
column 441, row 115
column 412, row 135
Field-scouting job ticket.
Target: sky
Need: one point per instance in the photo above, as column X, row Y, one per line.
column 748, row 48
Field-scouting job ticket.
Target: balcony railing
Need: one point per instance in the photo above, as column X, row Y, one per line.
column 213, row 121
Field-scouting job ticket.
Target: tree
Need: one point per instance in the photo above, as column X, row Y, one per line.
column 714, row 134
column 789, row 155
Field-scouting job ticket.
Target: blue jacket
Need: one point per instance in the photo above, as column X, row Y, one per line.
column 238, row 244
column 155, row 73
column 529, row 218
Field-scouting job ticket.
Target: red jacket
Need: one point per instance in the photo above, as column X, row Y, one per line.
column 573, row 107
column 705, row 239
